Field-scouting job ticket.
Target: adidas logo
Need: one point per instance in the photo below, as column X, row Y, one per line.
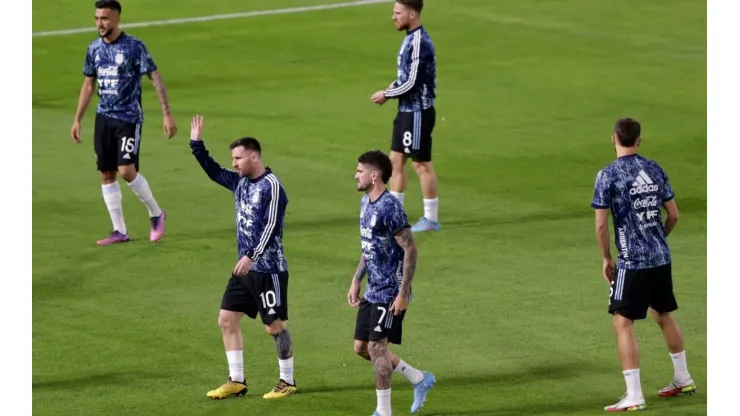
column 378, row 329
column 643, row 184
column 127, row 156
column 271, row 312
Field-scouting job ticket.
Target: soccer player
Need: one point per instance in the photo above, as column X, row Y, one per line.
column 118, row 61
column 389, row 260
column 259, row 281
column 634, row 189
column 414, row 123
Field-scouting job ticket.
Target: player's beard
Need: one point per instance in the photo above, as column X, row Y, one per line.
column 105, row 34
column 363, row 188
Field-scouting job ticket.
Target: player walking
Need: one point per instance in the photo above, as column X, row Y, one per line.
column 259, row 281
column 389, row 260
column 634, row 189
column 118, row 61
column 415, row 89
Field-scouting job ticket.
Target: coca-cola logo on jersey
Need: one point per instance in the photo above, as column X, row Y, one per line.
column 648, row 202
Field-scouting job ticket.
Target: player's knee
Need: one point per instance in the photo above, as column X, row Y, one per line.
column 276, row 327
column 663, row 319
column 622, row 323
column 376, row 349
column 361, row 349
column 423, row 168
column 128, row 172
column 397, row 162
column 108, row 177
column 227, row 320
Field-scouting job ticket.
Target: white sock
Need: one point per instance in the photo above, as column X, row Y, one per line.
column 431, row 209
column 236, row 365
column 141, row 188
column 413, row 375
column 398, row 195
column 681, row 372
column 286, row 370
column 113, row 197
column 384, row 402
column 634, row 388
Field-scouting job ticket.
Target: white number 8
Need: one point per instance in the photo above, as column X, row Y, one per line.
column 407, row 139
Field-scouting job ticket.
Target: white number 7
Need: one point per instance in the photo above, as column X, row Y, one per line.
column 382, row 315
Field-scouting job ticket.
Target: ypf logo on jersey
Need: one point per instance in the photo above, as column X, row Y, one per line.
column 643, row 184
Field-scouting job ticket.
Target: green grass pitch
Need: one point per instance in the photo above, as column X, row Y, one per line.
column 510, row 307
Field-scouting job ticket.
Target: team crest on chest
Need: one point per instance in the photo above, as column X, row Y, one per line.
column 255, row 198
column 373, row 220
column 119, row 58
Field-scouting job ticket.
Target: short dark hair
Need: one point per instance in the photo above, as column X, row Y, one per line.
column 378, row 160
column 108, row 4
column 627, row 131
column 415, row 5
column 248, row 143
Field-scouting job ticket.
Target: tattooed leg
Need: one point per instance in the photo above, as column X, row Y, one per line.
column 382, row 364
column 283, row 344
column 284, row 347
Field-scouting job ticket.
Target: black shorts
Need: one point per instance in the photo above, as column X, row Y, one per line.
column 412, row 134
column 375, row 322
column 258, row 292
column 116, row 143
column 634, row 291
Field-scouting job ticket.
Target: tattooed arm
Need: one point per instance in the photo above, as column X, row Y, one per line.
column 159, row 86
column 406, row 241
column 353, row 296
column 170, row 128
column 361, row 270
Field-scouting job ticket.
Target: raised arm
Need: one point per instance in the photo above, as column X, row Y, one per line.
column 224, row 177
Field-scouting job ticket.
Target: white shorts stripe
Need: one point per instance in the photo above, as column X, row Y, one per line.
column 276, row 284
column 417, row 131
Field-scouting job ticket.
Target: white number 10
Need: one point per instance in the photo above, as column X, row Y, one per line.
column 268, row 299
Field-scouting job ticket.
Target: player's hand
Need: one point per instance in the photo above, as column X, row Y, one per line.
column 399, row 305
column 609, row 268
column 243, row 266
column 353, row 296
column 379, row 97
column 196, row 127
column 169, row 126
column 75, row 131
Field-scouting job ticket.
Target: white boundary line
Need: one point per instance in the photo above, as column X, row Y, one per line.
column 219, row 17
